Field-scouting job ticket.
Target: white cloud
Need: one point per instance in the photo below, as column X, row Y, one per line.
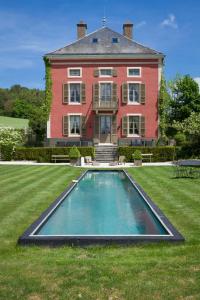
column 197, row 79
column 140, row 24
column 170, row 22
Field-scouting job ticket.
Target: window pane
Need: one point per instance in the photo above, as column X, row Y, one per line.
column 105, row 91
column 115, row 40
column 75, row 125
column 106, row 72
column 134, row 92
column 134, row 72
column 133, row 125
column 75, row 72
column 75, row 92
column 95, row 40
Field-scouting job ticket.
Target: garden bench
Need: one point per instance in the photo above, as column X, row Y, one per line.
column 147, row 156
column 59, row 157
column 187, row 168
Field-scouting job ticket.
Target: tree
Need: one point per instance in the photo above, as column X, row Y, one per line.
column 190, row 126
column 185, row 98
column 163, row 107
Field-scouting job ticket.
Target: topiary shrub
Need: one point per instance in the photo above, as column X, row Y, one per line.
column 137, row 155
column 74, row 153
column 180, row 139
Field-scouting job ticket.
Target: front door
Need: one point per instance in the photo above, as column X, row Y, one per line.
column 105, row 128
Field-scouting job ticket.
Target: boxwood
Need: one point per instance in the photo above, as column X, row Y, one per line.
column 43, row 154
column 161, row 153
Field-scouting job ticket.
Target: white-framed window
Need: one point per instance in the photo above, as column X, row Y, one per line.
column 105, row 72
column 74, row 92
column 133, row 125
column 134, row 72
column 74, row 72
column 134, row 92
column 105, row 91
column 74, row 125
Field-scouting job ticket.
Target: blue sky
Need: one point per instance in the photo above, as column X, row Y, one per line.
column 31, row 28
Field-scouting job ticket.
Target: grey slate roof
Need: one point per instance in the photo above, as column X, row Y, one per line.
column 85, row 46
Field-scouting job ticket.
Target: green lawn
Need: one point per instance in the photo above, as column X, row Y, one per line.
column 16, row 123
column 159, row 271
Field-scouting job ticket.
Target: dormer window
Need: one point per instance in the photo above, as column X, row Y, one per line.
column 95, row 40
column 115, row 40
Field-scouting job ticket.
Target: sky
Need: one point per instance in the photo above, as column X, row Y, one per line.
column 31, row 28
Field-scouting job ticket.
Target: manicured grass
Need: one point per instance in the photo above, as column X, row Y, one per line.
column 16, row 123
column 159, row 271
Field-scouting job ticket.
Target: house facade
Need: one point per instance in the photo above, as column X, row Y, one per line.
column 105, row 89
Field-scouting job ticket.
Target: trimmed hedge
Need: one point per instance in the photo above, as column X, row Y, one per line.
column 43, row 154
column 160, row 153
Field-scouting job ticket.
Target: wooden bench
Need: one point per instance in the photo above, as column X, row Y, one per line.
column 147, row 156
column 59, row 157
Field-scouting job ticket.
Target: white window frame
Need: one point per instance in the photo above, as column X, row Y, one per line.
column 100, row 82
column 133, row 115
column 130, row 68
column 131, row 102
column 74, row 103
column 105, row 68
column 69, row 133
column 74, row 68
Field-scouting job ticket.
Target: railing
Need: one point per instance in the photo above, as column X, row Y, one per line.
column 105, row 105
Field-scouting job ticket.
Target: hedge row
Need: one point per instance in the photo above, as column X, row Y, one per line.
column 162, row 153
column 43, row 154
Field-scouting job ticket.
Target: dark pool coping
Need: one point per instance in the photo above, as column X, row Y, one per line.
column 27, row 238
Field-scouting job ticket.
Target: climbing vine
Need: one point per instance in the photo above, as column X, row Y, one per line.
column 48, row 90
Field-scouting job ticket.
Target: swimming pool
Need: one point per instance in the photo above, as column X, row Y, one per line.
column 101, row 207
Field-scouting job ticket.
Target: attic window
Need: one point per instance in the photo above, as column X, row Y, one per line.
column 95, row 40
column 115, row 40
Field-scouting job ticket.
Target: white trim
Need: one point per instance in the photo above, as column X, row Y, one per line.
column 74, row 68
column 133, row 115
column 48, row 129
column 105, row 68
column 130, row 68
column 74, row 114
column 132, row 102
column 72, row 82
column 106, row 63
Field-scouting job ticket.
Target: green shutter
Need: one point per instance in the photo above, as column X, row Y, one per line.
column 142, row 93
column 142, row 126
column 114, row 73
column 124, row 125
column 65, row 93
column 96, row 72
column 83, row 96
column 96, row 125
column 114, row 92
column 65, row 125
column 83, row 126
column 124, row 93
column 96, row 92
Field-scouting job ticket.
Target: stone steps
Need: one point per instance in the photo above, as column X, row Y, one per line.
column 105, row 153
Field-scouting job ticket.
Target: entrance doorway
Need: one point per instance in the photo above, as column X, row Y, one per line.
column 105, row 128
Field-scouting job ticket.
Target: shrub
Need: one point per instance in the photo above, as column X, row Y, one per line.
column 9, row 138
column 43, row 154
column 180, row 139
column 74, row 153
column 137, row 155
column 162, row 153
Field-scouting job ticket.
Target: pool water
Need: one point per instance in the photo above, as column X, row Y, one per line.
column 103, row 203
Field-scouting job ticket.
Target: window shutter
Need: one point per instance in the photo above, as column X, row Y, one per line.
column 96, row 92
column 96, row 72
column 114, row 92
column 124, row 93
column 96, row 125
column 83, row 126
column 114, row 73
column 65, row 93
column 83, row 96
column 142, row 126
column 65, row 125
column 142, row 93
column 125, row 126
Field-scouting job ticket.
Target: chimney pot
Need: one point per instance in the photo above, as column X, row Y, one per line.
column 128, row 29
column 81, row 29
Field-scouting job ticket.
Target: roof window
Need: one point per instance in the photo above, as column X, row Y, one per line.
column 95, row 40
column 115, row 40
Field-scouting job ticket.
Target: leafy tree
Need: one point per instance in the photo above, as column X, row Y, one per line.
column 190, row 126
column 185, row 98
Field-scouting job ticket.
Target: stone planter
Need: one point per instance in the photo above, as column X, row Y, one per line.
column 75, row 161
column 137, row 163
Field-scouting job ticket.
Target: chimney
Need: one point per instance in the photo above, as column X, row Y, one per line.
column 128, row 29
column 81, row 29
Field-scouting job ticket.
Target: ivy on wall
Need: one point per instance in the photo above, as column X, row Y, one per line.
column 48, row 88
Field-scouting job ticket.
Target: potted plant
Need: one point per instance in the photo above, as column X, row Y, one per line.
column 74, row 156
column 137, row 156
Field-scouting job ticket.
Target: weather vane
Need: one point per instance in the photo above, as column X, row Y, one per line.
column 104, row 18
